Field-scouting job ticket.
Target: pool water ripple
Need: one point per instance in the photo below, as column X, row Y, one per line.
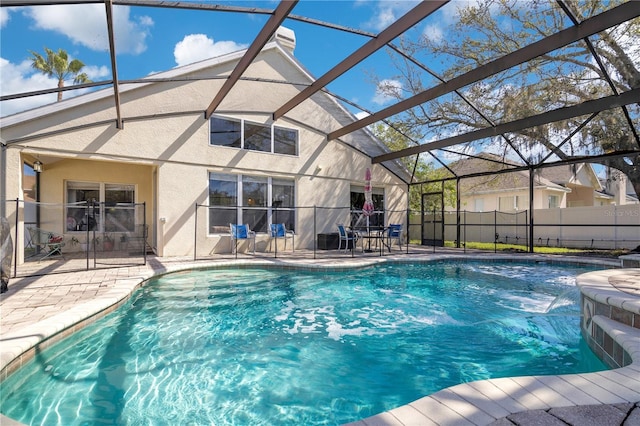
column 282, row 347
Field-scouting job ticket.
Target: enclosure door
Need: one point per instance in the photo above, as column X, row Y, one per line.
column 433, row 219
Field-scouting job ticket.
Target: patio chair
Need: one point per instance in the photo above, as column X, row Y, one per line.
column 346, row 236
column 394, row 232
column 279, row 230
column 47, row 242
column 241, row 232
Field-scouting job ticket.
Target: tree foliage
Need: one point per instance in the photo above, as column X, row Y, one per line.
column 56, row 64
column 493, row 28
column 397, row 137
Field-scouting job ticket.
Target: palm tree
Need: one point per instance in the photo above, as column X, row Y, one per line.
column 56, row 64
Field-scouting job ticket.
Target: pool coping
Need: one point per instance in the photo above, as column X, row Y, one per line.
column 474, row 403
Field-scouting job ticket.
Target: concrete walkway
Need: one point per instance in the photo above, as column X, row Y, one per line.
column 38, row 310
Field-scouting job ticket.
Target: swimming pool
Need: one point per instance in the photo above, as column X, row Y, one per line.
column 275, row 346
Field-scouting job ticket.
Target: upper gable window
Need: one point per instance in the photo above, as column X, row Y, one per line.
column 285, row 141
column 257, row 137
column 253, row 136
column 225, row 132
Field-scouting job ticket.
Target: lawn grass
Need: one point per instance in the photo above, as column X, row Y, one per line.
column 541, row 249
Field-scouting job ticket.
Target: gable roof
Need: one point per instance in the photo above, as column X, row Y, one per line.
column 361, row 140
column 573, row 174
column 498, row 182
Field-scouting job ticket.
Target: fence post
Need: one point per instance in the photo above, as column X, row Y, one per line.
column 464, row 245
column 561, row 222
column 144, row 232
column 531, row 224
column 434, row 230
column 93, row 211
column 86, row 215
column 458, row 201
column 269, row 232
column 495, row 231
column 408, row 227
column 315, row 235
column 526, row 226
column 195, row 235
column 15, row 247
column 615, row 227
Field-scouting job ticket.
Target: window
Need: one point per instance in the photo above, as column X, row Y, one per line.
column 522, row 202
column 283, row 202
column 252, row 136
column 225, row 132
column 257, row 201
column 257, row 137
column 114, row 209
column 285, row 141
column 254, row 201
column 377, row 219
column 506, row 203
column 478, row 204
column 512, row 202
column 119, row 210
column 223, row 199
column 78, row 216
column 553, row 201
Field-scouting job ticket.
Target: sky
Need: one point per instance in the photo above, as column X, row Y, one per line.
column 155, row 39
column 150, row 40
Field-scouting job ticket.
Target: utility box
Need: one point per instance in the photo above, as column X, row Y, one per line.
column 328, row 241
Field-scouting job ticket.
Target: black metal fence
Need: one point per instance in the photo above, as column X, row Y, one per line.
column 315, row 227
column 598, row 227
column 317, row 230
column 74, row 236
column 93, row 235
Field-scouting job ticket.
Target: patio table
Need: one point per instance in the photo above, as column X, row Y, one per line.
column 377, row 235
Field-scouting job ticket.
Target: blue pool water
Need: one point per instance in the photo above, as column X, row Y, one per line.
column 288, row 347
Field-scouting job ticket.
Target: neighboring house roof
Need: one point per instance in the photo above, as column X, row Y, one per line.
column 362, row 140
column 579, row 174
column 498, row 182
column 631, row 197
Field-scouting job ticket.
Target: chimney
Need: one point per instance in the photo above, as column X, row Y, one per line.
column 620, row 189
column 286, row 37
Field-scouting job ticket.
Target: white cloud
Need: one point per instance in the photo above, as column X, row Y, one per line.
column 96, row 73
column 131, row 35
column 86, row 25
column 383, row 19
column 4, row 16
column 389, row 12
column 19, row 78
column 387, row 91
column 433, row 32
column 196, row 47
column 451, row 11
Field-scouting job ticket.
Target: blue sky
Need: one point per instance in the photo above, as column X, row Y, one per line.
column 150, row 40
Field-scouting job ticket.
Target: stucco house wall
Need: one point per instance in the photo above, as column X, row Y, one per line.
column 491, row 199
column 163, row 148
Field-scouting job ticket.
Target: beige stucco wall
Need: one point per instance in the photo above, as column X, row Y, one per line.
column 177, row 148
column 580, row 196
